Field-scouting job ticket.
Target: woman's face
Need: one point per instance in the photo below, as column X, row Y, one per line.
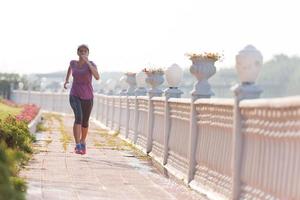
column 82, row 51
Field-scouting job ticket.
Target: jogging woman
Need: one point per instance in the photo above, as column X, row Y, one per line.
column 81, row 95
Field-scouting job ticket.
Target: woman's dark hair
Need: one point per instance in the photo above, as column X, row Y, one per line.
column 84, row 46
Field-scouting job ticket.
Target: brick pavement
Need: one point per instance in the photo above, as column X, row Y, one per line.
column 110, row 170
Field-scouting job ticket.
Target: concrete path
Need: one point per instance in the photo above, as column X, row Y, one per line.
column 110, row 170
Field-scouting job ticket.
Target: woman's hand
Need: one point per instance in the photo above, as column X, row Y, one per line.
column 92, row 68
column 65, row 84
column 67, row 77
column 85, row 58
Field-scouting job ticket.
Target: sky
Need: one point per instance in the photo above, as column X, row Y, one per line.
column 128, row 35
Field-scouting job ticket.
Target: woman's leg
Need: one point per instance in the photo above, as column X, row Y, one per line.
column 76, row 106
column 86, row 106
column 77, row 132
column 84, row 132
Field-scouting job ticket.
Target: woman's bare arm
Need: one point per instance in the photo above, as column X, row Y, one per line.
column 67, row 77
column 94, row 70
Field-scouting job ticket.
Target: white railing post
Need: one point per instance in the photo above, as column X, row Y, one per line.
column 174, row 75
column 97, row 108
column 107, row 111
column 53, row 101
column 149, row 125
column 28, row 94
column 127, row 117
column 40, row 99
column 61, row 102
column 236, row 150
column 102, row 108
column 131, row 80
column 169, row 93
column 249, row 61
column 120, row 114
column 192, row 141
column 154, row 79
column 113, row 113
column 166, row 131
column 136, row 119
column 139, row 91
column 202, row 68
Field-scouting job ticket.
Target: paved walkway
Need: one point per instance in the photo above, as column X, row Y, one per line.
column 110, row 170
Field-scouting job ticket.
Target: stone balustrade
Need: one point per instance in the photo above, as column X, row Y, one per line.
column 224, row 149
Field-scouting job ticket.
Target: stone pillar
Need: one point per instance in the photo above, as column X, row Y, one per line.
column 248, row 64
column 113, row 113
column 136, row 119
column 154, row 78
column 127, row 117
column 106, row 110
column 150, row 125
column 202, row 68
column 140, row 91
column 174, row 75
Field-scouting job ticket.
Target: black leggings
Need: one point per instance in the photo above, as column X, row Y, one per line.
column 82, row 109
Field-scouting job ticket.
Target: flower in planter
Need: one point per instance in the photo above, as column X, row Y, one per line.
column 206, row 55
column 151, row 71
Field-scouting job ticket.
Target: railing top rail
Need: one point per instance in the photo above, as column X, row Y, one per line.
column 158, row 98
column 20, row 91
column 283, row 102
column 143, row 97
column 130, row 97
column 216, row 101
column 99, row 95
column 38, row 92
column 121, row 97
column 180, row 100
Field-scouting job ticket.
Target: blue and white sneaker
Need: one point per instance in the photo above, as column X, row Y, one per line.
column 83, row 148
column 78, row 149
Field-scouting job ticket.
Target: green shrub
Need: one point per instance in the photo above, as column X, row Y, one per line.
column 15, row 148
column 11, row 187
column 16, row 134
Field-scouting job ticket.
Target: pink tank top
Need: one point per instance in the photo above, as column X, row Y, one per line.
column 82, row 80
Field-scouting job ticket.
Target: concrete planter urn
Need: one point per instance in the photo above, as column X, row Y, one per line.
column 130, row 79
column 154, row 78
column 141, row 84
column 203, row 67
column 248, row 64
